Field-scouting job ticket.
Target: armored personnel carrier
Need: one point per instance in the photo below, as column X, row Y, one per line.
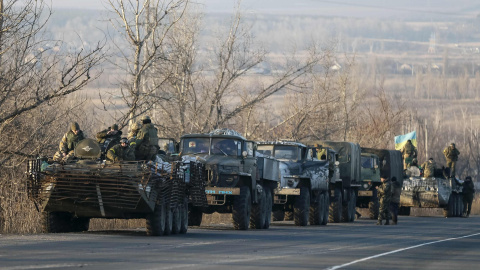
column 303, row 188
column 432, row 192
column 70, row 194
column 235, row 179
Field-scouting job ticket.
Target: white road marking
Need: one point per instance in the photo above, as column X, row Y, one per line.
column 398, row 250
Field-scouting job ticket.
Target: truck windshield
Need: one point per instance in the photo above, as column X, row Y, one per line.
column 286, row 152
column 195, row 145
column 227, row 147
column 265, row 149
column 367, row 162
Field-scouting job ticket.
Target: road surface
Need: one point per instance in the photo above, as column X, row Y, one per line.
column 416, row 243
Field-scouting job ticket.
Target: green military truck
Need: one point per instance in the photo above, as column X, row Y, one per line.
column 344, row 190
column 376, row 162
column 438, row 191
column 235, row 179
column 70, row 194
column 303, row 189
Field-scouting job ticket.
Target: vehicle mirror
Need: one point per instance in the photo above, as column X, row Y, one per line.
column 244, row 154
column 384, row 162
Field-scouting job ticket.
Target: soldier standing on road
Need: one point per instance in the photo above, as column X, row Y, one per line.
column 120, row 152
column 395, row 202
column 451, row 154
column 468, row 192
column 428, row 168
column 109, row 137
column 68, row 143
column 409, row 152
column 384, row 192
column 146, row 142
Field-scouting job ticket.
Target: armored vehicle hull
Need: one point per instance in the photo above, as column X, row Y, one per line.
column 432, row 192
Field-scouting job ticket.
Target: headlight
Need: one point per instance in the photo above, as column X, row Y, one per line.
column 365, row 186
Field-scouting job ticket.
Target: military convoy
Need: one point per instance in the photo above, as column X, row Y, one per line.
column 223, row 172
column 70, row 194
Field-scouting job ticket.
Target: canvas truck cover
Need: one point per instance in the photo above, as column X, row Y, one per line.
column 349, row 156
column 393, row 158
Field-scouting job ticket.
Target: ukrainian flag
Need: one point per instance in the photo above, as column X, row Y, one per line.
column 401, row 140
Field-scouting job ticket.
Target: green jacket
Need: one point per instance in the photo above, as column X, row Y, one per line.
column 451, row 153
column 119, row 153
column 409, row 150
column 384, row 191
column 70, row 140
column 428, row 168
column 146, row 136
column 468, row 188
column 103, row 135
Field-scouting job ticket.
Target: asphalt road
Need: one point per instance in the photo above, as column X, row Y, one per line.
column 416, row 243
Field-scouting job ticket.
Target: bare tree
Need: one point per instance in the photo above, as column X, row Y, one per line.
column 145, row 25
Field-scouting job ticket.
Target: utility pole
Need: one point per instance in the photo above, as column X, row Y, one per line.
column 426, row 140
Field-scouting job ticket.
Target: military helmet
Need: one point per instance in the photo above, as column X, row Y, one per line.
column 145, row 117
column 114, row 127
column 124, row 140
column 468, row 178
column 452, row 144
column 74, row 126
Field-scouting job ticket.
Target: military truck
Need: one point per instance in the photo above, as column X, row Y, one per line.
column 438, row 191
column 303, row 188
column 376, row 162
column 70, row 194
column 235, row 179
column 344, row 190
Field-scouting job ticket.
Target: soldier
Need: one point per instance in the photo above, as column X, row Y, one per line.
column 109, row 137
column 321, row 152
column 468, row 192
column 120, row 152
column 146, row 142
column 451, row 154
column 68, row 143
column 132, row 134
column 384, row 192
column 428, row 168
column 409, row 152
column 413, row 169
column 395, row 202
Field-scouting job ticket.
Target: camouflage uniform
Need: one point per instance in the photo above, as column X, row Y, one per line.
column 132, row 134
column 395, row 201
column 120, row 153
column 408, row 153
column 468, row 193
column 451, row 154
column 68, row 143
column 428, row 168
column 109, row 137
column 146, row 142
column 384, row 192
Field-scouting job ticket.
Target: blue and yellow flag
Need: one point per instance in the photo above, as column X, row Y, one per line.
column 401, row 140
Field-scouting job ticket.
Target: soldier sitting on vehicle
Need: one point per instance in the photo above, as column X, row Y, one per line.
column 68, row 143
column 428, row 168
column 109, row 137
column 146, row 142
column 121, row 152
column 409, row 152
column 132, row 134
column 413, row 169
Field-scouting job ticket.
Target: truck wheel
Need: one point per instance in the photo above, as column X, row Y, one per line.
column 326, row 207
column 57, row 222
column 80, row 224
column 257, row 217
column 177, row 219
column 288, row 216
column 353, row 199
column 374, row 208
column 155, row 222
column 278, row 215
column 301, row 210
column 184, row 214
column 242, row 206
column 316, row 210
column 268, row 205
column 335, row 213
column 195, row 216
column 168, row 220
